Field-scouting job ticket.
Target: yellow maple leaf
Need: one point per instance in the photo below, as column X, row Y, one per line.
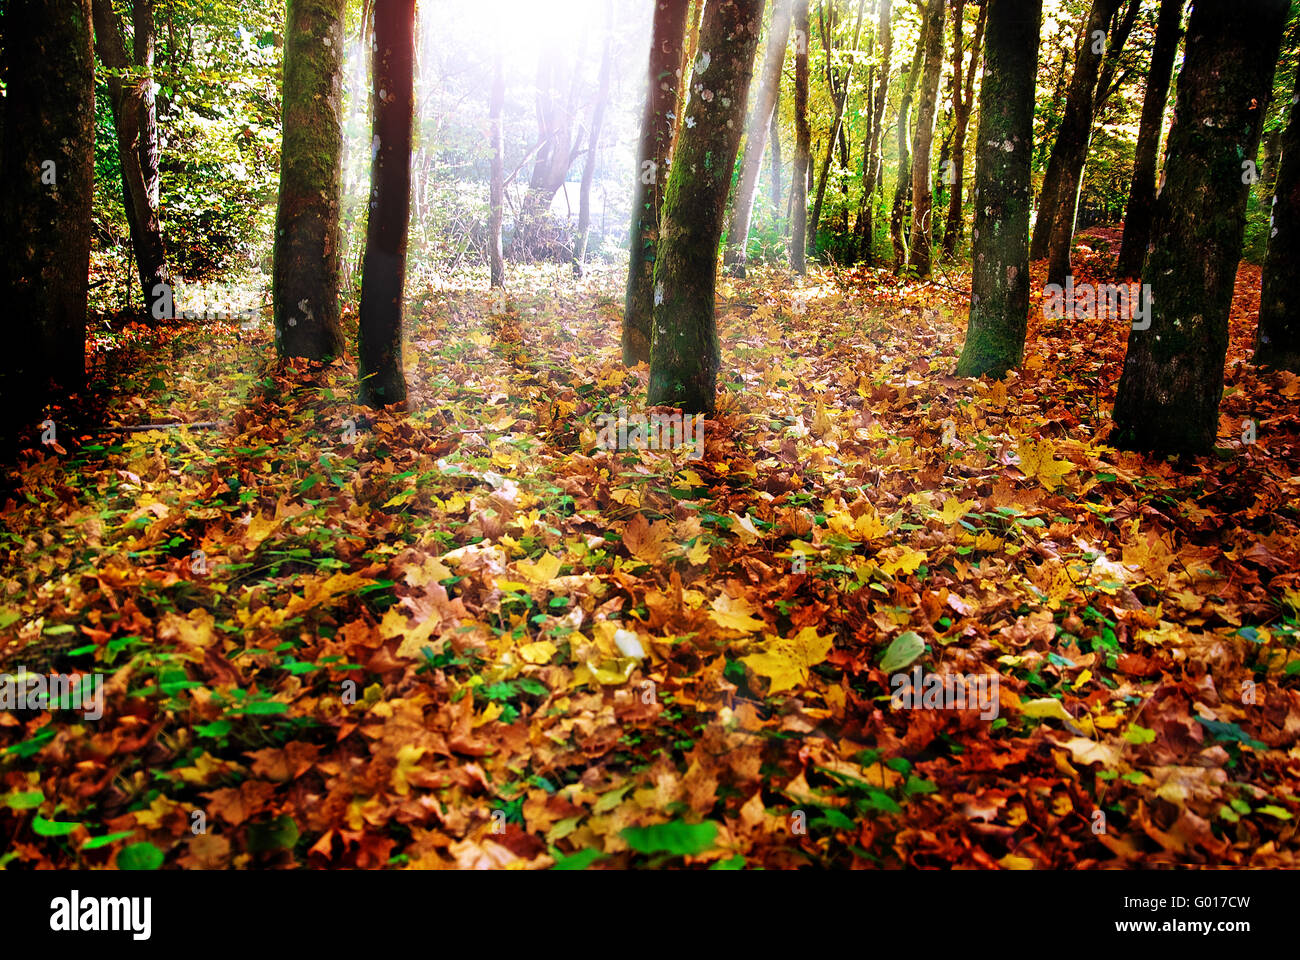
column 735, row 613
column 787, row 661
column 1038, row 460
column 538, row 653
column 954, row 510
column 906, row 561
column 543, row 571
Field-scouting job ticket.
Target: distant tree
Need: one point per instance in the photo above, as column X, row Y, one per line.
column 999, row 305
column 305, row 273
column 839, row 90
column 1277, row 341
column 1169, row 391
column 46, row 186
column 383, row 276
column 922, row 191
column 684, row 351
column 1142, row 193
column 593, row 142
column 963, row 100
column 802, row 143
column 742, row 207
column 653, row 153
column 496, row 105
column 864, row 229
column 903, row 183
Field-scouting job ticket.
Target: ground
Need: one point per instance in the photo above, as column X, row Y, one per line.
column 467, row 636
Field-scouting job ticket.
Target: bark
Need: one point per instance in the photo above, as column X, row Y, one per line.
column 496, row 104
column 1169, row 391
column 383, row 277
column 871, row 161
column 742, row 208
column 922, row 189
column 774, row 136
column 49, row 113
column 305, row 275
column 963, row 102
column 1142, row 193
column 593, row 145
column 1074, row 151
column 999, row 306
column 903, row 186
column 684, row 352
column 840, row 97
column 690, row 46
column 802, row 138
column 1277, row 341
column 657, row 126
column 126, row 91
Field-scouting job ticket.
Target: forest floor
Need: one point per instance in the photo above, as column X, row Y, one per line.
column 334, row 637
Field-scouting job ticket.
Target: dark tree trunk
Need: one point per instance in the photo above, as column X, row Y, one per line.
column 383, row 278
column 497, row 198
column 903, row 186
column 922, row 189
column 305, row 275
column 593, row 145
column 1142, row 194
column 1072, row 135
column 126, row 90
column 684, row 351
column 999, row 305
column 871, row 154
column 802, row 138
column 1169, row 392
column 1277, row 341
column 742, row 208
column 45, row 201
column 657, row 125
column 963, row 102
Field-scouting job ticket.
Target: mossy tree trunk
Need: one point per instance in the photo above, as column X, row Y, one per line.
column 127, row 85
column 1277, row 341
column 1142, row 193
column 45, row 199
column 922, row 189
column 665, row 79
column 684, row 352
column 305, row 275
column 383, row 276
column 802, row 143
column 999, row 305
column 760, row 119
column 1169, row 391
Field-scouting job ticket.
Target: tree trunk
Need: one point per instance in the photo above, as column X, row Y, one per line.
column 871, row 162
column 1169, row 392
column 593, row 144
column 742, row 208
column 774, row 137
column 684, row 352
column 383, row 278
column 802, row 137
column 1142, row 193
column 840, row 97
column 657, row 126
column 1277, row 341
column 999, row 305
column 497, row 197
column 903, row 186
column 305, row 275
column 922, row 195
column 963, row 102
column 45, row 201
column 689, row 48
column 126, row 90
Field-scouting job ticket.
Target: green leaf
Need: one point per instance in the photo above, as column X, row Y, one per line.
column 1274, row 811
column 94, row 843
column 735, row 863
column 578, row 861
column 52, row 828
column 25, row 801
column 278, row 834
column 1139, row 735
column 140, row 856
column 678, row 838
column 905, row 648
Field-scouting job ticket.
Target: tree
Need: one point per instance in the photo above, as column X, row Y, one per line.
column 903, row 184
column 774, row 136
column 1277, row 340
column 684, row 352
column 840, row 97
column 305, row 274
column 654, row 151
column 497, row 188
column 130, row 87
column 999, row 306
column 1169, row 391
column 871, row 162
column 593, row 143
column 963, row 100
column 383, row 276
column 922, row 192
column 742, row 208
column 1142, row 193
column 45, row 198
column 802, row 143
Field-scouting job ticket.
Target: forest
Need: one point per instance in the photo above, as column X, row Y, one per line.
column 650, row 434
